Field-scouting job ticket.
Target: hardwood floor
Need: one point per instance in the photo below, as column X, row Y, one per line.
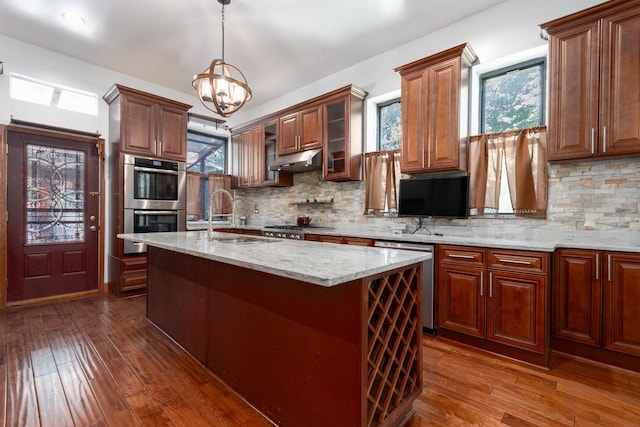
column 98, row 361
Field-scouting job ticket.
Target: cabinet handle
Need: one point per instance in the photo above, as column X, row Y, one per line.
column 429, row 158
column 593, row 136
column 609, row 267
column 597, row 266
column 490, row 284
column 461, row 256
column 159, row 148
column 514, row 261
column 604, row 139
column 481, row 277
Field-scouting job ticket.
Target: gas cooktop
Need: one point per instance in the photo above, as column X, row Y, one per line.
column 284, row 231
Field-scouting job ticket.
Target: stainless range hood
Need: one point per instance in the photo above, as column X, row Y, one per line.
column 303, row 161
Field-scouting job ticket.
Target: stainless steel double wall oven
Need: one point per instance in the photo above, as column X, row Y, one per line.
column 154, row 197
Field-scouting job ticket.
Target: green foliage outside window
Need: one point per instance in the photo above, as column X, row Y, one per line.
column 513, row 98
column 389, row 126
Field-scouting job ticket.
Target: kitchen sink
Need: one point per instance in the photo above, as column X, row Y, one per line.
column 244, row 239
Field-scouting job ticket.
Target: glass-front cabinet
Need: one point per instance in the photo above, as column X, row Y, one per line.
column 336, row 137
column 343, row 121
column 269, row 134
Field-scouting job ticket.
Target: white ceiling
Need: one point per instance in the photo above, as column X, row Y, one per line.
column 279, row 45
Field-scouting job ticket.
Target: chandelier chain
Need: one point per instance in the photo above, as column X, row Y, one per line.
column 222, row 32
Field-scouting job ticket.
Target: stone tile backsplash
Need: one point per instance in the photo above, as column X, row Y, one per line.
column 590, row 195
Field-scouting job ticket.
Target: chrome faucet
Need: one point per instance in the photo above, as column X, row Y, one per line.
column 233, row 208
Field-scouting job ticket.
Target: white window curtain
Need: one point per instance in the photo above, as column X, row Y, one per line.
column 525, row 156
column 381, row 171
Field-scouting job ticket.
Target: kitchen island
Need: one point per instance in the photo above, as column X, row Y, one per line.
column 308, row 333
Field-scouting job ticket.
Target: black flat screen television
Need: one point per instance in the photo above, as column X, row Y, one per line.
column 441, row 197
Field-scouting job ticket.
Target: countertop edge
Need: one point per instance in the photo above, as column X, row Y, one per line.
column 327, row 280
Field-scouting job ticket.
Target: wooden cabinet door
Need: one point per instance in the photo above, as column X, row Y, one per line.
column 516, row 307
column 267, row 147
column 288, row 134
column 300, row 131
column 413, row 110
column 461, row 300
column 171, row 133
column 138, row 126
column 310, row 128
column 257, row 155
column 235, row 150
column 622, row 302
column 574, row 71
column 577, row 296
column 245, row 158
column 193, row 196
column 620, row 110
column 594, row 106
column 443, row 118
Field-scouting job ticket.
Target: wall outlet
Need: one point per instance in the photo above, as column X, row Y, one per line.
column 398, row 228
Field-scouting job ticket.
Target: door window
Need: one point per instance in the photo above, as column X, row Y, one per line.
column 55, row 195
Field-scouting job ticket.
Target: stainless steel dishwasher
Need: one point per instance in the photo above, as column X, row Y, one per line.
column 427, row 279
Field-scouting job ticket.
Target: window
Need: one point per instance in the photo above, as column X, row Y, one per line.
column 206, row 154
column 389, row 125
column 513, row 97
column 28, row 89
column 509, row 93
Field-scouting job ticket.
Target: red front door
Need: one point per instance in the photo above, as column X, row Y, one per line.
column 53, row 208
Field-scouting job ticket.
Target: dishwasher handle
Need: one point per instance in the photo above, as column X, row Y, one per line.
column 404, row 246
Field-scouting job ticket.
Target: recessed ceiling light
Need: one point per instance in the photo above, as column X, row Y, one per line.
column 73, row 19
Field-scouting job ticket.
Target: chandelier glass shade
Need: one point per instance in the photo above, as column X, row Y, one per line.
column 222, row 88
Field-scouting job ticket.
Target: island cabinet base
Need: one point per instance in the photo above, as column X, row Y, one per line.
column 302, row 354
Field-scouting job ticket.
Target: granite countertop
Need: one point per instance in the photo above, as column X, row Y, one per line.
column 323, row 264
column 543, row 240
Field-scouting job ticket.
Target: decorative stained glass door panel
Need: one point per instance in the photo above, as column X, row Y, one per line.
column 53, row 216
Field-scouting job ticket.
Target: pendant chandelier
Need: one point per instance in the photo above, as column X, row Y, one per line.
column 222, row 88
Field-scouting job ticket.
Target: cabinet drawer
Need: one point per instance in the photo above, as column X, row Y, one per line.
column 461, row 255
column 134, row 263
column 359, row 241
column 530, row 262
column 324, row 239
column 132, row 280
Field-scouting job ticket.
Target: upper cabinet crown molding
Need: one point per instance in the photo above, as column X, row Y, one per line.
column 434, row 100
column 148, row 125
column 594, row 82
